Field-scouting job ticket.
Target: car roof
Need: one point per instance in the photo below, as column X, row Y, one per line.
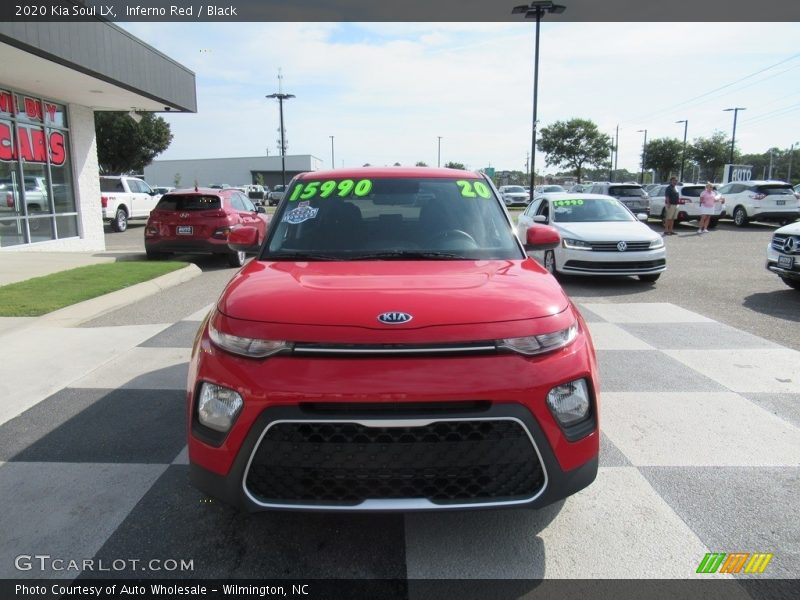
column 203, row 191
column 575, row 195
column 398, row 172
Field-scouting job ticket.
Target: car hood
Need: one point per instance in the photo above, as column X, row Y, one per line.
column 790, row 229
column 355, row 293
column 630, row 231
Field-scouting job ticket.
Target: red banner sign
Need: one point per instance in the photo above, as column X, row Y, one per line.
column 32, row 146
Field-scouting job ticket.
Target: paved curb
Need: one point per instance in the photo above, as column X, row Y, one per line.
column 73, row 315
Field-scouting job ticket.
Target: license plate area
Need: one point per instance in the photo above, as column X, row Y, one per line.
column 184, row 230
column 786, row 262
column 780, row 202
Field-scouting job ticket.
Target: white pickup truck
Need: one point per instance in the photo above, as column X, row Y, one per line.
column 125, row 198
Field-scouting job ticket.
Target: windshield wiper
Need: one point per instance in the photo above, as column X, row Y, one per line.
column 408, row 255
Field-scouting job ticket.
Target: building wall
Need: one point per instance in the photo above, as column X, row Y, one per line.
column 233, row 171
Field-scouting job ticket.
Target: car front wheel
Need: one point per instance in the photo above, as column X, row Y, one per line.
column 120, row 222
column 550, row 262
column 739, row 217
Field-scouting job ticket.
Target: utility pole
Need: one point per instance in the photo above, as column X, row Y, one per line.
column 281, row 97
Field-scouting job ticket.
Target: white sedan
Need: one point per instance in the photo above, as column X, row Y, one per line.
column 599, row 236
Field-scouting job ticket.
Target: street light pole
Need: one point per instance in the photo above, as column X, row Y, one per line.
column 733, row 137
column 683, row 153
column 644, row 155
column 439, row 154
column 281, row 97
column 333, row 164
column 791, row 155
column 536, row 10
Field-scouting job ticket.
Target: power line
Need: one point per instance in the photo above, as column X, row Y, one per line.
column 727, row 85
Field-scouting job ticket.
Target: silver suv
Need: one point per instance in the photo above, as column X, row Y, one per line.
column 631, row 195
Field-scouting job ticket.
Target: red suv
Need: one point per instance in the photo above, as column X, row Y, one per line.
column 393, row 348
column 199, row 221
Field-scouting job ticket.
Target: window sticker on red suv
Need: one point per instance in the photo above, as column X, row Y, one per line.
column 343, row 188
column 473, row 189
column 302, row 213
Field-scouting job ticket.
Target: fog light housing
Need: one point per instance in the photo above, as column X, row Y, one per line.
column 218, row 407
column 569, row 402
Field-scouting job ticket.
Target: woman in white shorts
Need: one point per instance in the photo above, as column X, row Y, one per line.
column 707, row 199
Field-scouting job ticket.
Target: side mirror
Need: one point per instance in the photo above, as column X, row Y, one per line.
column 243, row 238
column 541, row 237
column 261, row 209
column 539, row 219
column 642, row 217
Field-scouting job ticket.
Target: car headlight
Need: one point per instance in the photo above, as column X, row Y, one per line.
column 539, row 344
column 218, row 407
column 250, row 347
column 573, row 244
column 657, row 243
column 569, row 402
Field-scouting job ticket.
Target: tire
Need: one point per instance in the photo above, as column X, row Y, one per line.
column 236, row 259
column 712, row 224
column 550, row 262
column 740, row 217
column 120, row 222
column 792, row 283
column 650, row 278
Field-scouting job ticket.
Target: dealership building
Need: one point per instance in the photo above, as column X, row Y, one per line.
column 53, row 77
column 233, row 171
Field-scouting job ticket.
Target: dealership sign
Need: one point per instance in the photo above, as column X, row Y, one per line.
column 33, row 144
column 737, row 173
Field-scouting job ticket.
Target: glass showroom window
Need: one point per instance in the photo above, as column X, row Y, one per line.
column 37, row 198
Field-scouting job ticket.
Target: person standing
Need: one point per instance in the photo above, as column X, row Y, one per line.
column 707, row 199
column 671, row 197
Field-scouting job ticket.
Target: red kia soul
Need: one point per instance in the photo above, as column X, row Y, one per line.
column 392, row 348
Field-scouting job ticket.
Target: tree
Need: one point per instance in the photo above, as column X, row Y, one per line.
column 573, row 144
column 454, row 165
column 124, row 146
column 397, row 164
column 421, row 163
column 663, row 155
column 177, row 180
column 711, row 154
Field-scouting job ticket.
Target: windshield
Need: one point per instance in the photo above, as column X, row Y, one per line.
column 586, row 210
column 386, row 218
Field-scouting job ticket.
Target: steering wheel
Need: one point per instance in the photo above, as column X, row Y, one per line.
column 450, row 239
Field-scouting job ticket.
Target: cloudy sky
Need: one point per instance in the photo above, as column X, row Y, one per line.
column 386, row 91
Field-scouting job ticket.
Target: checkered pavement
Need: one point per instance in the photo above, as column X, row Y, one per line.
column 700, row 451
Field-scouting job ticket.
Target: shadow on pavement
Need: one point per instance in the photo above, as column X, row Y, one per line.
column 784, row 304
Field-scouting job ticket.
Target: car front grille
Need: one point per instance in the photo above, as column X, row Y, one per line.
column 610, row 267
column 778, row 241
column 446, row 463
column 612, row 246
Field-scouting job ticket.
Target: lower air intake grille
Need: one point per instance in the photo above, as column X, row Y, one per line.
column 346, row 463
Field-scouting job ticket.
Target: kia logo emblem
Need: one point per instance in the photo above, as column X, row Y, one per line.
column 394, row 318
column 622, row 246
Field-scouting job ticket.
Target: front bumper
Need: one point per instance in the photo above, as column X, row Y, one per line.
column 588, row 262
column 363, row 399
column 772, row 264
